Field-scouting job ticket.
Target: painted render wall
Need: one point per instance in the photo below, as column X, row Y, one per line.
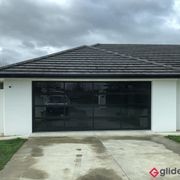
column 1, row 112
column 178, row 105
column 163, row 107
column 18, row 106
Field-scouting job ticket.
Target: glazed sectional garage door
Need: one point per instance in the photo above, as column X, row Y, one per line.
column 60, row 106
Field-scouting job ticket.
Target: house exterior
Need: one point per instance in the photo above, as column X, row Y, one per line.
column 98, row 87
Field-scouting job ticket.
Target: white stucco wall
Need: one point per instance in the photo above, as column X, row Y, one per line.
column 1, row 112
column 17, row 107
column 163, row 110
column 178, row 105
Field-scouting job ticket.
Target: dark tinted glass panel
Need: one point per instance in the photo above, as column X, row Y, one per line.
column 106, row 117
column 106, row 107
column 49, row 101
column 80, row 112
column 138, row 101
column 122, row 105
column 91, row 105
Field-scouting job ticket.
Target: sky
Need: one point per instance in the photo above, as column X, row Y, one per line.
column 32, row 28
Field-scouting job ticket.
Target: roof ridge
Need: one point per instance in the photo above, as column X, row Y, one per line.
column 137, row 58
column 138, row 44
column 41, row 57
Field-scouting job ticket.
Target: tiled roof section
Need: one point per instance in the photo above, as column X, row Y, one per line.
column 98, row 61
column 162, row 54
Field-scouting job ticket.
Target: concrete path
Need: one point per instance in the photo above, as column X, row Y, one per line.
column 93, row 158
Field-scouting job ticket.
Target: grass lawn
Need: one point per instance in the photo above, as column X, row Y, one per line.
column 174, row 138
column 8, row 148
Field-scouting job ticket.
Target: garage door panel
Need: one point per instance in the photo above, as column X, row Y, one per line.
column 79, row 115
column 91, row 105
column 106, row 117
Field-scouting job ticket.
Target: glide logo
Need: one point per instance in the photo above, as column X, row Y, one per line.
column 163, row 172
column 153, row 172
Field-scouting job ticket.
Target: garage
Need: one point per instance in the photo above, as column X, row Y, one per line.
column 97, row 87
column 84, row 105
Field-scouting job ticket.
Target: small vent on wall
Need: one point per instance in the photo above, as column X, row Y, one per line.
column 1, row 85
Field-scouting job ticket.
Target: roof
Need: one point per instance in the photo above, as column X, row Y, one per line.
column 102, row 60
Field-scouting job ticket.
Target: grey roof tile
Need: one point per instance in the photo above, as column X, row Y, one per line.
column 102, row 60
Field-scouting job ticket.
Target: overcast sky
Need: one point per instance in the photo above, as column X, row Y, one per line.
column 31, row 28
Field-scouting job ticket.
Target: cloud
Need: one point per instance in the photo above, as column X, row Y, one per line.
column 31, row 28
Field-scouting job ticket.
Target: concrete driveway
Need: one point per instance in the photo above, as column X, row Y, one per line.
column 93, row 158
